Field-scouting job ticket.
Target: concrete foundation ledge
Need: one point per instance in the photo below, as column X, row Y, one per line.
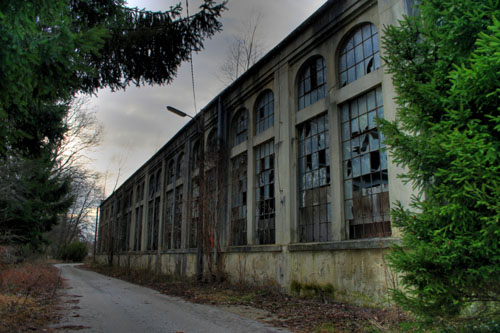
column 254, row 248
column 358, row 244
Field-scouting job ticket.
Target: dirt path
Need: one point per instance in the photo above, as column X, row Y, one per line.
column 98, row 303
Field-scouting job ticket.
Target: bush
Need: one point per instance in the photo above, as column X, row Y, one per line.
column 75, row 251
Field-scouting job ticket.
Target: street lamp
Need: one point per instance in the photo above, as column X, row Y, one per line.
column 199, row 233
column 178, row 112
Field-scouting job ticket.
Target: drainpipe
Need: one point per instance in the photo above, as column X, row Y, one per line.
column 95, row 232
column 219, row 141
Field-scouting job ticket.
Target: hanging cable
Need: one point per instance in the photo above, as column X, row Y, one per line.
column 191, row 61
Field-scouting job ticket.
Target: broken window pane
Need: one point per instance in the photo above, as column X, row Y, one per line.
column 363, row 123
column 365, row 164
column 365, row 171
column 359, row 55
column 313, row 81
column 372, row 122
column 314, row 181
column 374, row 142
column 265, row 193
column 239, row 200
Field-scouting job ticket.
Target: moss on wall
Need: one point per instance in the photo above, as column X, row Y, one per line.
column 313, row 290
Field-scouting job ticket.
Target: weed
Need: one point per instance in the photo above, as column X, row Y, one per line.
column 27, row 295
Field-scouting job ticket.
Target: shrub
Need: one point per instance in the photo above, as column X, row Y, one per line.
column 75, row 251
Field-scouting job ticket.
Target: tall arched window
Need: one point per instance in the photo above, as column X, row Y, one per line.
column 195, row 160
column 171, row 171
column 264, row 111
column 312, row 82
column 212, row 141
column 240, row 127
column 180, row 165
column 152, row 185
column 359, row 54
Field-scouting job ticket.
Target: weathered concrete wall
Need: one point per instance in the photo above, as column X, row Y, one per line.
column 178, row 264
column 357, row 276
column 255, row 268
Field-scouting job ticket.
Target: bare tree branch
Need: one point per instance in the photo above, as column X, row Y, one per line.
column 245, row 50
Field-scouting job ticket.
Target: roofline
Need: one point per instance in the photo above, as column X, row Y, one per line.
column 274, row 51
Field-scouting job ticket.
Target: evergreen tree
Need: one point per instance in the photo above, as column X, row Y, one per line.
column 445, row 63
column 52, row 50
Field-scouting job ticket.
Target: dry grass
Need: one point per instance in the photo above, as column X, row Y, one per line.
column 27, row 296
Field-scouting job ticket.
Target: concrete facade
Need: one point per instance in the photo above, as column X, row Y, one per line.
column 293, row 188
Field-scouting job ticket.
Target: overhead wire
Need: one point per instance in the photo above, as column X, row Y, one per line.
column 191, row 62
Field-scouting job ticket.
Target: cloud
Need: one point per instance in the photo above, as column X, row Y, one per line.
column 136, row 122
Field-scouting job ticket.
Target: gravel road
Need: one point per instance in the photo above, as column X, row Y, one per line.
column 97, row 303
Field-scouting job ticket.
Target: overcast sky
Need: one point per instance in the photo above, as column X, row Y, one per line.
column 136, row 123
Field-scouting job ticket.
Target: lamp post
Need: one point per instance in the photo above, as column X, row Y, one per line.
column 199, row 227
column 178, row 112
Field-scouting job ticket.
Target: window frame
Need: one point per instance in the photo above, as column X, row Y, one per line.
column 265, row 206
column 239, row 128
column 264, row 104
column 352, row 61
column 314, row 180
column 239, row 199
column 309, row 87
column 361, row 150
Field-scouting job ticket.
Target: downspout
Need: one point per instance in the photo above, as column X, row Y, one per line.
column 95, row 231
column 219, row 141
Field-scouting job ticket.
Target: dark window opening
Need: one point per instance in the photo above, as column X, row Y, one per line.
column 265, row 214
column 240, row 127
column 314, row 181
column 239, row 201
column 265, row 111
column 366, row 183
column 312, row 82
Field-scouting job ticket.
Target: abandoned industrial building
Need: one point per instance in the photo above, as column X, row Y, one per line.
column 282, row 179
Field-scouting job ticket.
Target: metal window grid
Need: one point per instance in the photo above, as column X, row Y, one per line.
column 366, row 184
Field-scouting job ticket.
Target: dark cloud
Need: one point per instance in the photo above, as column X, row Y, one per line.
column 136, row 122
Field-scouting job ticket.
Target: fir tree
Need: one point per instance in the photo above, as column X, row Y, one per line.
column 445, row 63
column 49, row 52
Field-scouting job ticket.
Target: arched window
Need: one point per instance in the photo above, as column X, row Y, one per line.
column 180, row 165
column 312, row 82
column 171, row 171
column 359, row 54
column 264, row 111
column 195, row 160
column 152, row 186
column 158, row 180
column 212, row 142
column 240, row 127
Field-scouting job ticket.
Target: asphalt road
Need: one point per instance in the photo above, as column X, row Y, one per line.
column 97, row 303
